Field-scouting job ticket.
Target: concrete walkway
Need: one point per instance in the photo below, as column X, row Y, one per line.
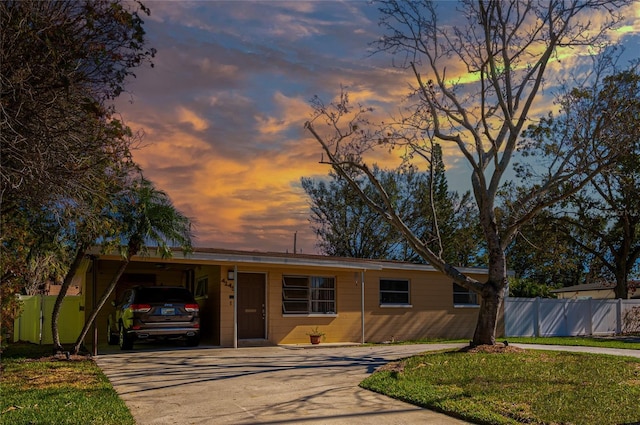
column 267, row 385
column 579, row 349
column 271, row 385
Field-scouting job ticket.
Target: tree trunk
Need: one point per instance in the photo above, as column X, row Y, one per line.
column 96, row 309
column 493, row 290
column 624, row 260
column 621, row 290
column 491, row 302
column 55, row 315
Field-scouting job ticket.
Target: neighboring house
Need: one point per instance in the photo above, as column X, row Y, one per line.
column 251, row 298
column 599, row 290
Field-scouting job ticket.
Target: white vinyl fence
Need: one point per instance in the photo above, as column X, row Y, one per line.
column 551, row 317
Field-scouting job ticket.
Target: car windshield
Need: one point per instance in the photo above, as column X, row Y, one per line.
column 159, row 294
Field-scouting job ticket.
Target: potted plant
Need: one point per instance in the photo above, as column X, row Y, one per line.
column 315, row 335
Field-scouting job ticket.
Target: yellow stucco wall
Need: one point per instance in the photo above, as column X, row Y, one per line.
column 226, row 312
column 209, row 306
column 342, row 327
column 431, row 315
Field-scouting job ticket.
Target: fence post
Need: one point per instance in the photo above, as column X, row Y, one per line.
column 590, row 316
column 536, row 318
column 619, row 316
column 41, row 319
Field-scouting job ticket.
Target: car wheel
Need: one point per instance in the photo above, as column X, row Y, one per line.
column 112, row 339
column 193, row 341
column 126, row 343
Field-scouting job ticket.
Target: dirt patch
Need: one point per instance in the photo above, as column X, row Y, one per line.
column 397, row 367
column 58, row 377
column 62, row 357
column 54, row 371
column 498, row 348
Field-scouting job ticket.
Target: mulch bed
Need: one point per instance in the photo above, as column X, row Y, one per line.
column 498, row 348
column 62, row 357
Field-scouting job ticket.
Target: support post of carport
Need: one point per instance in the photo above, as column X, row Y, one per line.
column 94, row 288
column 235, row 307
column 362, row 303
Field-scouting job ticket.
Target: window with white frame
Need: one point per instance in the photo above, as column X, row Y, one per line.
column 308, row 295
column 464, row 297
column 394, row 292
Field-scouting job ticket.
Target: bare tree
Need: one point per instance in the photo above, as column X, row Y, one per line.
column 506, row 49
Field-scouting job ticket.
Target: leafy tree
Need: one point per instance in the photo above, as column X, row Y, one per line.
column 603, row 219
column 529, row 288
column 541, row 252
column 506, row 48
column 147, row 218
column 61, row 141
column 347, row 226
column 343, row 223
column 62, row 61
column 28, row 258
column 13, row 265
column 446, row 221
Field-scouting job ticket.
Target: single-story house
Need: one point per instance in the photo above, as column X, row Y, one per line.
column 596, row 291
column 249, row 298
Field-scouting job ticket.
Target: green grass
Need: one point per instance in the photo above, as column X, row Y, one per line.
column 630, row 343
column 47, row 390
column 510, row 388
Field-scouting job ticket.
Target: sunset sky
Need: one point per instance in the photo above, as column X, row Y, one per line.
column 223, row 109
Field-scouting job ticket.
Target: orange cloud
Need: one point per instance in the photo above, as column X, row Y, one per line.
column 224, row 128
column 189, row 117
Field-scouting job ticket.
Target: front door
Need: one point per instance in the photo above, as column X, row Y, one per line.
column 251, row 306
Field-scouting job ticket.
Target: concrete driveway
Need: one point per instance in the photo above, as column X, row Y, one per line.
column 266, row 385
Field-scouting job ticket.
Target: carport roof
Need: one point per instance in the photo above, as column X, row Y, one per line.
column 233, row 257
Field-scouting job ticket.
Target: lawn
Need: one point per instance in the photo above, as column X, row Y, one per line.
column 40, row 389
column 623, row 342
column 629, row 343
column 517, row 386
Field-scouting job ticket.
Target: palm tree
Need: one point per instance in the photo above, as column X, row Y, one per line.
column 87, row 218
column 148, row 218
